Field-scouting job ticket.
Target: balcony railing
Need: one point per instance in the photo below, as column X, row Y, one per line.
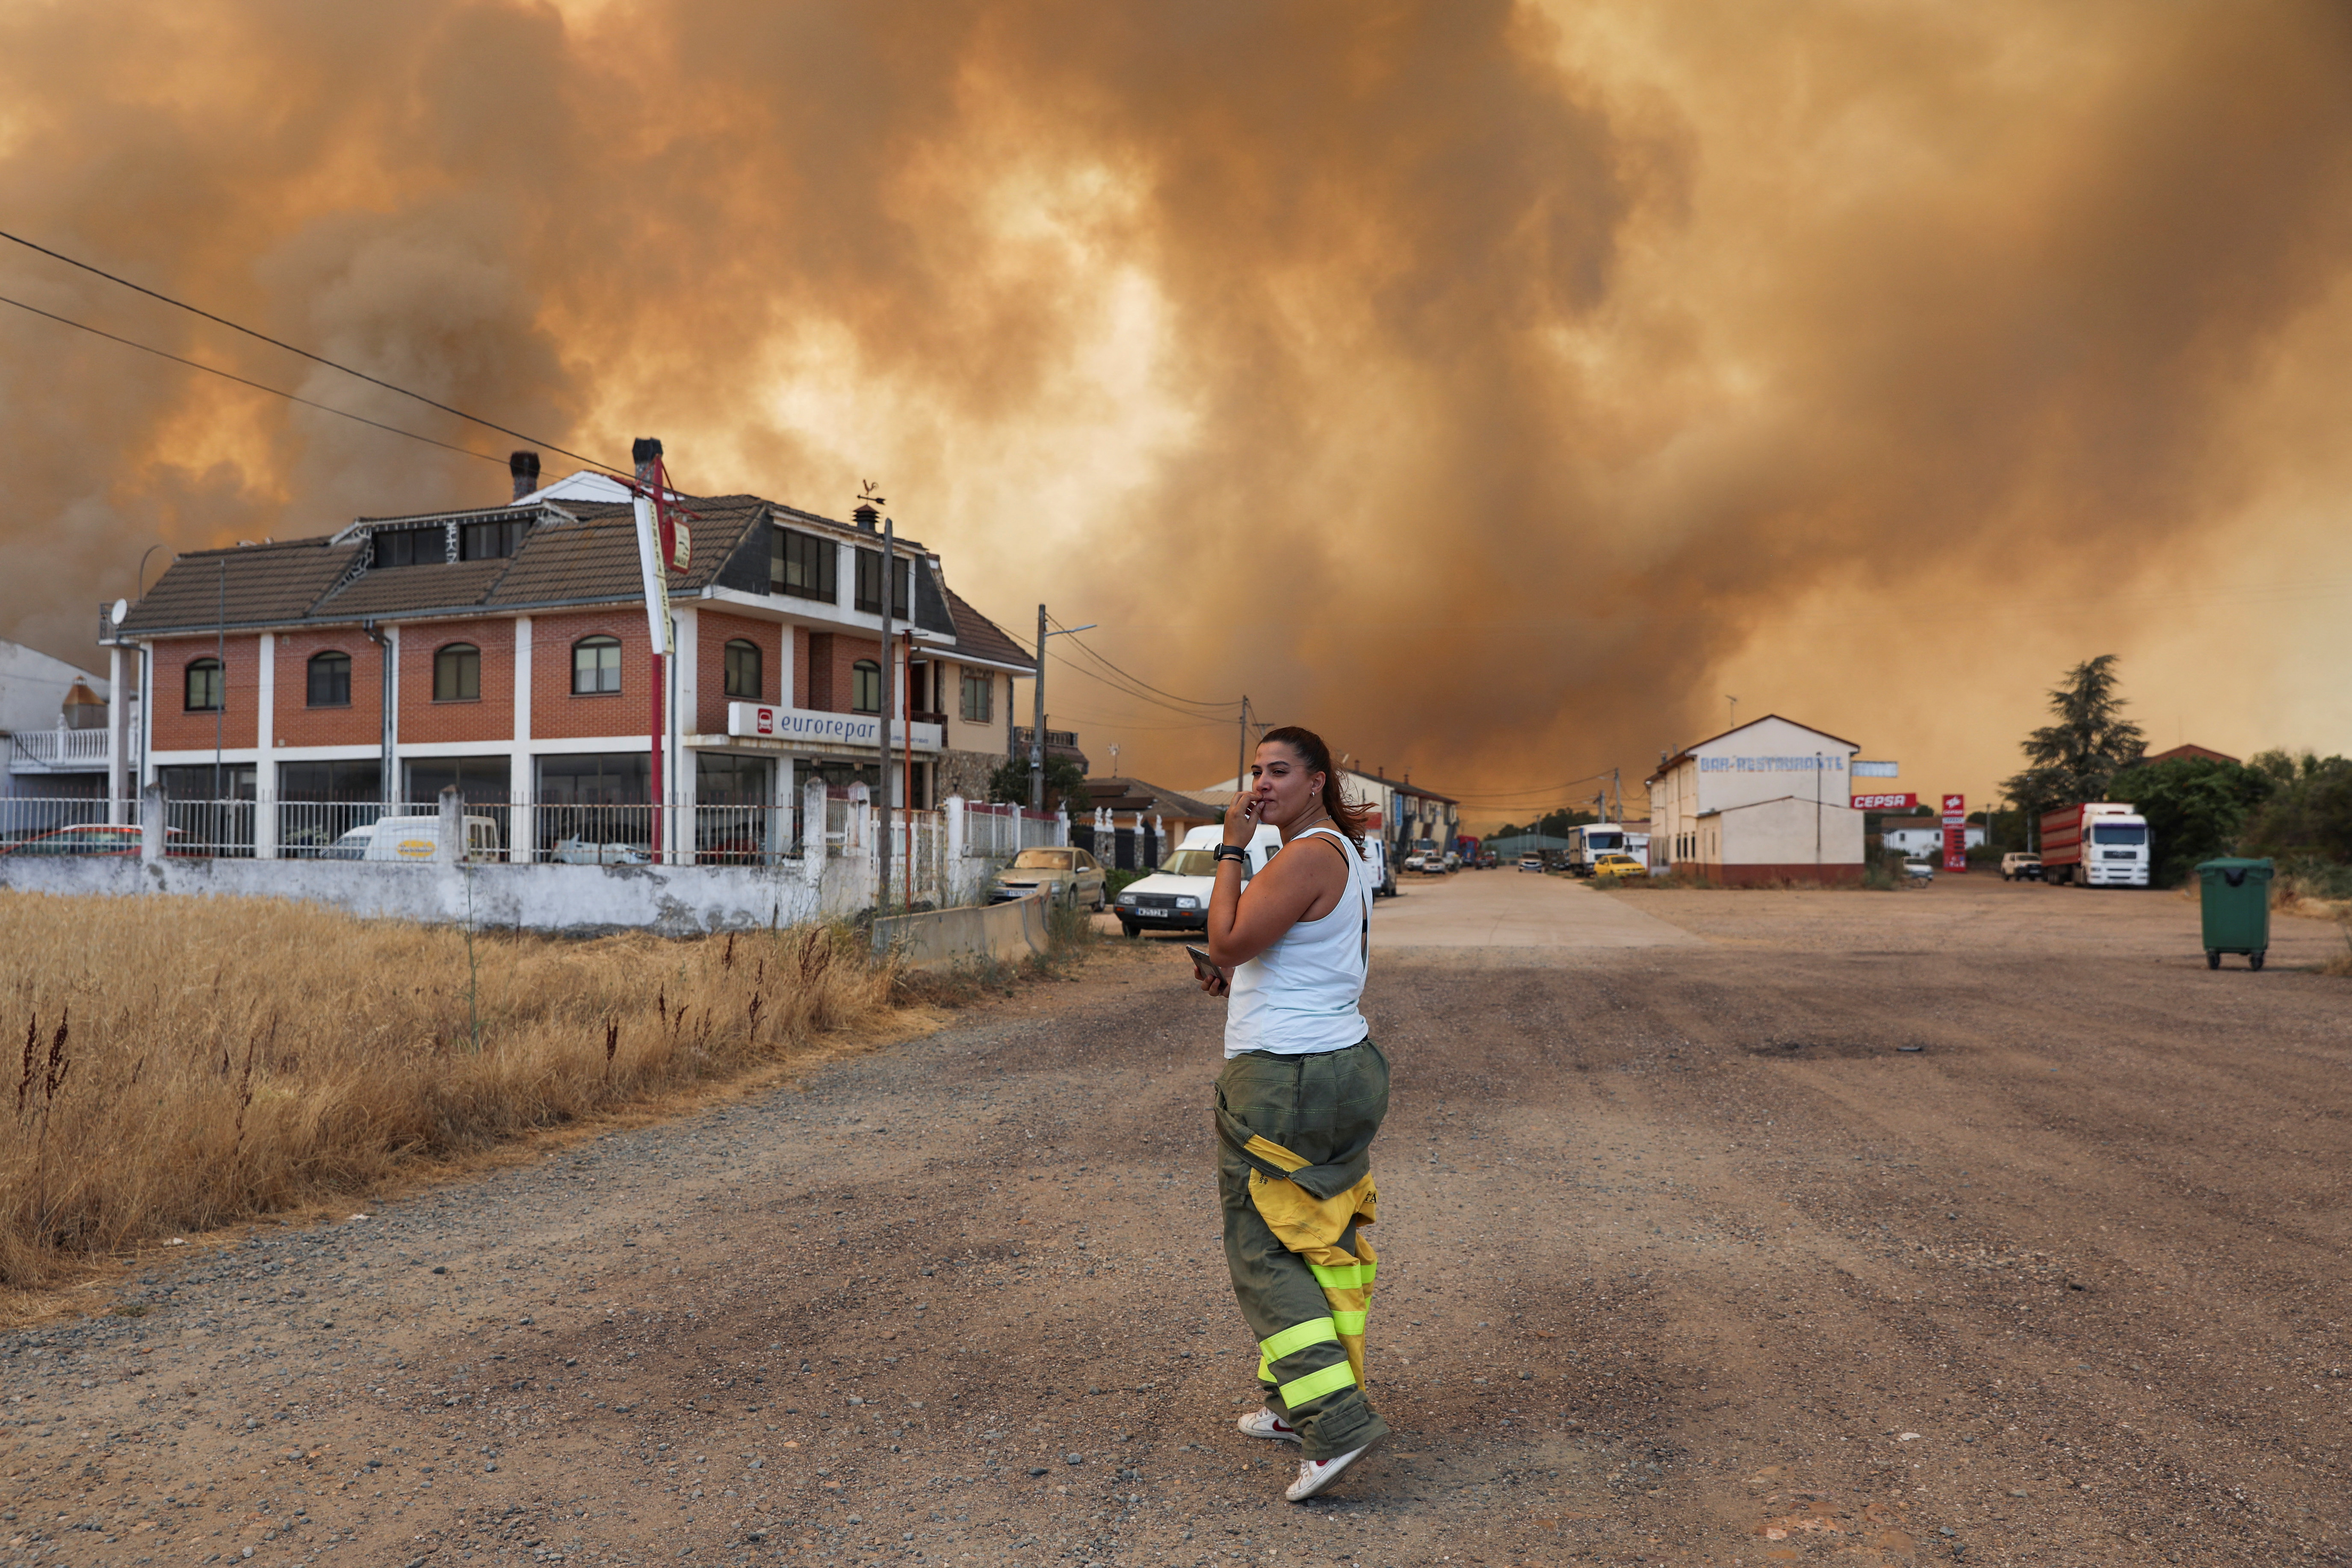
column 58, row 748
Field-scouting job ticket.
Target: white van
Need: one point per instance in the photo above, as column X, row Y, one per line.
column 419, row 839
column 1176, row 896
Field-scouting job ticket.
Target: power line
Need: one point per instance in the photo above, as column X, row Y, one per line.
column 1106, row 663
column 1055, row 655
column 306, row 354
column 1529, row 796
column 227, row 375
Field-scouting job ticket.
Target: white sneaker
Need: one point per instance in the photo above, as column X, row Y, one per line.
column 1314, row 1474
column 1264, row 1423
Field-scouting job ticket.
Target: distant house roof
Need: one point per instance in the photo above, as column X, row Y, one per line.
column 1668, row 763
column 978, row 637
column 1135, row 794
column 2188, row 754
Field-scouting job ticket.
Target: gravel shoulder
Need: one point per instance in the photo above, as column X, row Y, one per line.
column 1685, row 1259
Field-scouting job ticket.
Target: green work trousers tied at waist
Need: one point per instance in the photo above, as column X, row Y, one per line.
column 1294, row 1168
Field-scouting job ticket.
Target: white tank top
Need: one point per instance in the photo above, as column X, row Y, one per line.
column 1300, row 997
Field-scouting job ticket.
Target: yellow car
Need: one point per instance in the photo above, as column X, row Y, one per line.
column 1615, row 866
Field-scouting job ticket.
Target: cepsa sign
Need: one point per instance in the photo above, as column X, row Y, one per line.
column 1884, row 802
column 1956, row 833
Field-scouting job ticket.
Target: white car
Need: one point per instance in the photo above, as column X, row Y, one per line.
column 1531, row 863
column 1176, row 896
column 1919, row 869
column 419, row 839
column 587, row 852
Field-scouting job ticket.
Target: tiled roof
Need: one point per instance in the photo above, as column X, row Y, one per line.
column 1138, row 795
column 250, row 585
column 583, row 551
column 411, row 590
column 978, row 636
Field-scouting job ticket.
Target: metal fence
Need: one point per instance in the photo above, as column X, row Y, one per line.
column 557, row 834
column 999, row 832
column 919, row 858
column 45, row 826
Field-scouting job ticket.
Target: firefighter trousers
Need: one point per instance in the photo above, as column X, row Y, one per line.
column 1295, row 1139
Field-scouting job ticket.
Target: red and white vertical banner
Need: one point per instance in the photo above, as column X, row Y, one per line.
column 1956, row 833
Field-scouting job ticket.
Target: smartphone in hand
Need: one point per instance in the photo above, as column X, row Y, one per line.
column 1212, row 979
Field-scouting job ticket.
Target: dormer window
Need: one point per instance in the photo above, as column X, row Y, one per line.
column 491, row 541
column 409, row 547
column 869, row 584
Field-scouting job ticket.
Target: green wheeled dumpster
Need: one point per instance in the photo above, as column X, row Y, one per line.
column 2235, row 898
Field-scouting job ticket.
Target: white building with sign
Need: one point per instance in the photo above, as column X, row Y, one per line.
column 1767, row 802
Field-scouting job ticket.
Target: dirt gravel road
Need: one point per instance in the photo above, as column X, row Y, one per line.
column 1976, row 1223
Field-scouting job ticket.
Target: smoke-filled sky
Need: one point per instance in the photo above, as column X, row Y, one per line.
column 1494, row 388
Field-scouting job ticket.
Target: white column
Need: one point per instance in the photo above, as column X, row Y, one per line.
column 265, row 753
column 392, row 785
column 953, row 806
column 146, row 716
column 152, row 824
column 689, row 684
column 813, row 845
column 521, row 834
column 117, row 739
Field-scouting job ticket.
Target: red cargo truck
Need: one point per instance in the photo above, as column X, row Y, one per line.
column 2099, row 844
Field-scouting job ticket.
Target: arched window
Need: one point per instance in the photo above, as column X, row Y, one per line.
column 330, row 681
column 595, row 665
column 743, row 669
column 866, row 687
column 204, row 687
column 457, row 673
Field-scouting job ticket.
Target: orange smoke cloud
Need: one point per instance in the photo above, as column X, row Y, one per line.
column 1490, row 386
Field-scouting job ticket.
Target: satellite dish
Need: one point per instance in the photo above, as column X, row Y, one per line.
column 121, row 613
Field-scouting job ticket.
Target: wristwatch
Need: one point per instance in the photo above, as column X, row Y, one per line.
column 1235, row 852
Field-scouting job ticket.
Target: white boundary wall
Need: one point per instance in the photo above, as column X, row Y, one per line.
column 837, row 882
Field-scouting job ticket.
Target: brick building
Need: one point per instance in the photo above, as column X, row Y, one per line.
column 508, row 647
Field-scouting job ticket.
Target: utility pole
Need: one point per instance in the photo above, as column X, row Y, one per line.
column 1241, row 747
column 1037, row 728
column 1037, row 734
column 889, row 700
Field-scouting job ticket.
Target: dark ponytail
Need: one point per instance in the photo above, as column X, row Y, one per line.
column 1347, row 816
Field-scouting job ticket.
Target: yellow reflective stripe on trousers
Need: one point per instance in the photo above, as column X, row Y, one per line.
column 1343, row 1275
column 1315, row 1385
column 1322, row 1330
column 1348, row 1323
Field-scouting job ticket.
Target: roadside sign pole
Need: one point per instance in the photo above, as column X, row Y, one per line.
column 889, row 700
column 662, row 542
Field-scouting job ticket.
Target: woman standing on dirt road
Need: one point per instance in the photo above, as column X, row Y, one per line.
column 1301, row 1097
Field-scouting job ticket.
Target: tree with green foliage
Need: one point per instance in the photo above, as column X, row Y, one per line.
column 2077, row 758
column 2196, row 808
column 2308, row 814
column 1065, row 785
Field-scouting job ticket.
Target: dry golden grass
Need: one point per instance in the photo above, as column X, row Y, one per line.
column 186, row 1064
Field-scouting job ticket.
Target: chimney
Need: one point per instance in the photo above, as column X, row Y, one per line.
column 866, row 517
column 524, row 467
